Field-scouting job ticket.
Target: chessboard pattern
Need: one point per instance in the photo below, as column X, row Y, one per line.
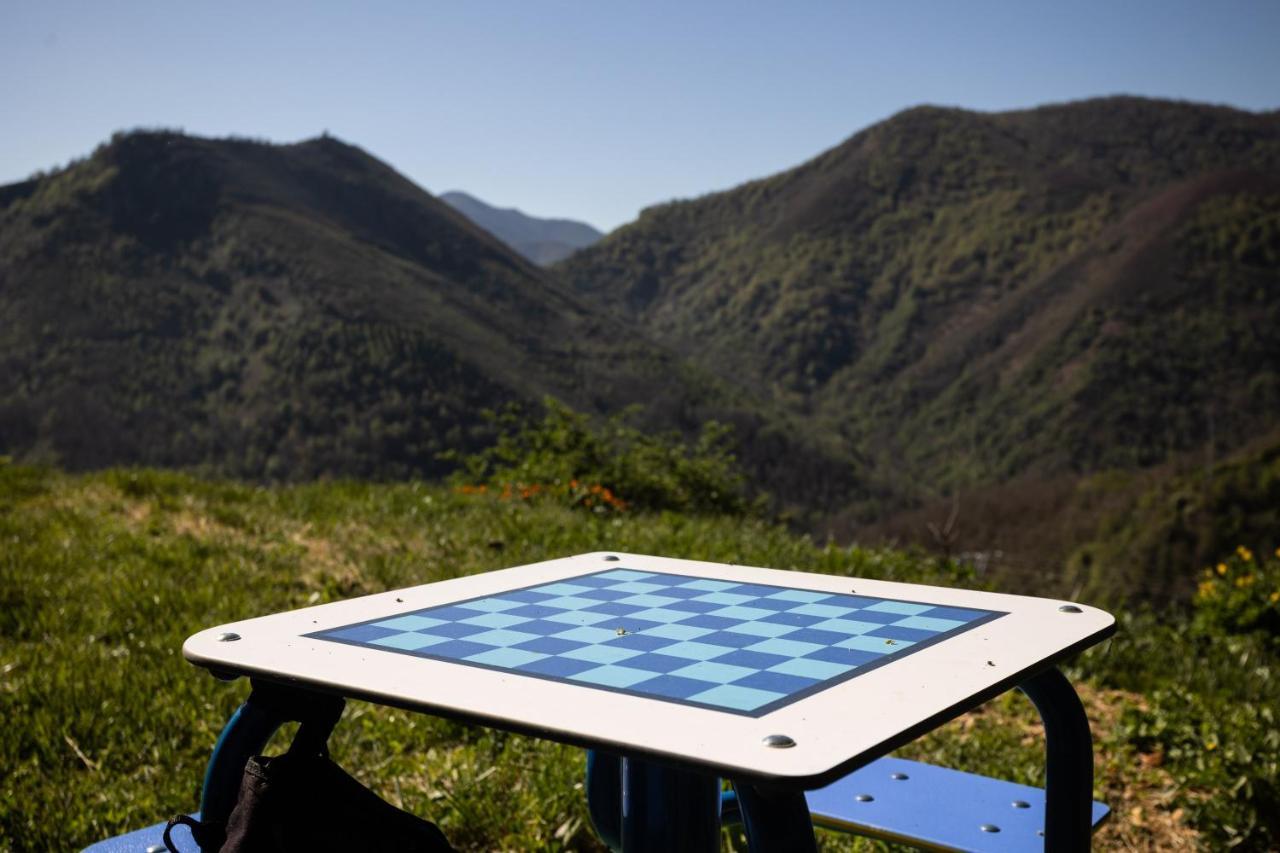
column 743, row 648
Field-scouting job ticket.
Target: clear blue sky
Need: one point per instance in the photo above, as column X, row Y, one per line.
column 593, row 110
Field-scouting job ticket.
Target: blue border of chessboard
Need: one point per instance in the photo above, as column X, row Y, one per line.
column 578, row 615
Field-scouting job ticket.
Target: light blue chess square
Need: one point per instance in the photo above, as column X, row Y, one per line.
column 872, row 644
column 785, row 648
column 733, row 696
column 625, row 575
column 724, row 598
column 645, row 600
column 803, row 596
column 409, row 641
column 928, row 623
column 611, row 675
column 585, row 635
column 708, row 585
column 495, row 620
column 830, row 611
column 819, row 670
column 410, row 623
column 578, row 617
column 846, row 626
column 635, row 586
column 501, row 637
column 506, row 658
column 601, row 654
column 716, row 673
column 739, row 612
column 661, row 615
column 674, row 631
column 903, row 607
column 762, row 629
column 491, row 605
column 568, row 602
column 694, row 650
column 562, row 589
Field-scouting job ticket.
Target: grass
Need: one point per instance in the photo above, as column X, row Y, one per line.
column 102, row 576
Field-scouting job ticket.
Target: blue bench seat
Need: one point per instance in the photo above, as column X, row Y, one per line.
column 935, row 808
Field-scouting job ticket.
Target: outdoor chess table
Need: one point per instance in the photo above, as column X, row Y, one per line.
column 677, row 674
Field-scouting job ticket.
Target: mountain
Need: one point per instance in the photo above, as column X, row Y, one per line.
column 293, row 311
column 975, row 296
column 977, row 299
column 543, row 241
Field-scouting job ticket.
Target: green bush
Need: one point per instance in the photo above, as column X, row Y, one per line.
column 1240, row 595
column 608, row 466
column 1210, row 681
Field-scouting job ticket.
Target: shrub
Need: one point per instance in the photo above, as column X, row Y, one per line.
column 1240, row 595
column 607, row 466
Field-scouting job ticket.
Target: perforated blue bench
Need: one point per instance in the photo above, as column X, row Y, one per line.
column 935, row 808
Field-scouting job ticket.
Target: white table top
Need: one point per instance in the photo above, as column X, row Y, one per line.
column 691, row 662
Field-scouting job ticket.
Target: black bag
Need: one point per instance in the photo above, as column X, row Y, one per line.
column 303, row 801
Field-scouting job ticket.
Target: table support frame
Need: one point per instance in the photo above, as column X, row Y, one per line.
column 1068, row 819
column 636, row 804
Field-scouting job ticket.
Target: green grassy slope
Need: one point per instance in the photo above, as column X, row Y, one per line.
column 103, row 575
column 969, row 298
column 287, row 312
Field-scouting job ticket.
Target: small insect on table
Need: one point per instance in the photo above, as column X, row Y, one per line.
column 679, row 674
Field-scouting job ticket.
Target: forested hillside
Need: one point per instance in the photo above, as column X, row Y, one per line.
column 303, row 310
column 970, row 297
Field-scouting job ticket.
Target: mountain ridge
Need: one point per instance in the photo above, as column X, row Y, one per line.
column 976, row 299
column 542, row 240
column 292, row 311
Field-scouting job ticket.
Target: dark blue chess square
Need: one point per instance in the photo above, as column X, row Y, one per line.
column 754, row 589
column 816, row 635
column 548, row 645
column 449, row 613
column 456, row 649
column 604, row 594
column 774, row 604
column 718, row 623
column 457, row 629
column 777, row 682
column 543, row 627
column 613, row 608
column 529, row 596
column 799, row 620
column 733, row 639
column 558, row 667
column 894, row 632
column 693, row 606
column 657, row 662
column 682, row 592
column 751, row 660
column 852, row 657
column 859, row 601
column 673, row 686
column 640, row 642
column 533, row 611
column 360, row 633
column 872, row 616
column 959, row 614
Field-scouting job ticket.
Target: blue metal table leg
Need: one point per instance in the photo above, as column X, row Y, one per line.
column 775, row 821
column 1068, row 820
column 668, row 810
column 604, row 796
column 244, row 735
column 640, row 806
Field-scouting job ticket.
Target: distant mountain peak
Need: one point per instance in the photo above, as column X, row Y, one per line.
column 543, row 241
